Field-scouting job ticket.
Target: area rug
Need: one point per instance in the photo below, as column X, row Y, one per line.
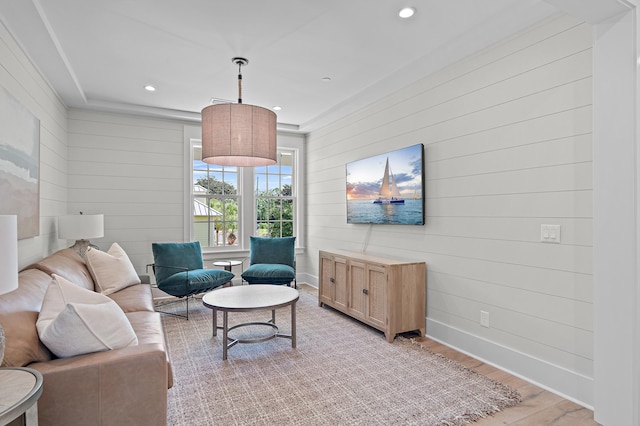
column 341, row 373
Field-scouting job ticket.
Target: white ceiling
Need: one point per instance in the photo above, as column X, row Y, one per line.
column 99, row 54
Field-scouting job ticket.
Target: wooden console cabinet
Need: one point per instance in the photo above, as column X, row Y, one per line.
column 386, row 294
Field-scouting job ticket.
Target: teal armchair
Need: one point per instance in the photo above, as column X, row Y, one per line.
column 271, row 261
column 179, row 270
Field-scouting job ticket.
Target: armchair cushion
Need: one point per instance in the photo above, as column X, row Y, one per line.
column 200, row 280
column 181, row 256
column 269, row 273
column 273, row 250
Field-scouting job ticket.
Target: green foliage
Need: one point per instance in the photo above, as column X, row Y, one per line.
column 275, row 217
column 229, row 210
column 217, row 187
column 228, row 222
column 275, row 192
column 274, row 214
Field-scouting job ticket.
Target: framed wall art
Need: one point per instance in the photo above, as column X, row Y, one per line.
column 19, row 165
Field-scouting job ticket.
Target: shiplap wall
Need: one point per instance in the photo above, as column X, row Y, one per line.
column 507, row 136
column 131, row 169
column 23, row 81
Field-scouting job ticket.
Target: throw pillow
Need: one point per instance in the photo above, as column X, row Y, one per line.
column 111, row 270
column 75, row 321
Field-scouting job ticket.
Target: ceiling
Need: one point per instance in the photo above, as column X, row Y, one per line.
column 100, row 54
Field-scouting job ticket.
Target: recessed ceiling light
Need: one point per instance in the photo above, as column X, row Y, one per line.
column 277, row 108
column 406, row 12
column 150, row 88
column 326, row 79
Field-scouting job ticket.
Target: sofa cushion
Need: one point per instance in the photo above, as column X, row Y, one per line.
column 148, row 328
column 269, row 273
column 75, row 321
column 68, row 264
column 134, row 298
column 111, row 270
column 18, row 315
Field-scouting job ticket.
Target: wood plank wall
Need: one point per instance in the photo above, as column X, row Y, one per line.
column 23, row 81
column 131, row 169
column 507, row 136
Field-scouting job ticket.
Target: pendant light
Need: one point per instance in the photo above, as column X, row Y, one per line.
column 238, row 134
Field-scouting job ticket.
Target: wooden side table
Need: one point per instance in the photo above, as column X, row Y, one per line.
column 20, row 389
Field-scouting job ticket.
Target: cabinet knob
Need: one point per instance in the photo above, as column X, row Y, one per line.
column 332, row 280
column 365, row 291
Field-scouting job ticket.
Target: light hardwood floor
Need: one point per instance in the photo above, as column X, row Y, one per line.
column 538, row 407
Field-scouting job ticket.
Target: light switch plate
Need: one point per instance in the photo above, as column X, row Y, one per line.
column 484, row 318
column 550, row 234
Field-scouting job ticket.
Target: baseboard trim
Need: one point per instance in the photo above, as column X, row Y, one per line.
column 312, row 280
column 568, row 384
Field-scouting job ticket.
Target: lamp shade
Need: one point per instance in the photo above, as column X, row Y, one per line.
column 239, row 135
column 8, row 253
column 81, row 226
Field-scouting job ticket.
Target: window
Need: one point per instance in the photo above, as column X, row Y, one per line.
column 275, row 198
column 216, row 201
column 220, row 194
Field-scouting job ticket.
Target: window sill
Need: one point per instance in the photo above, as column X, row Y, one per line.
column 235, row 254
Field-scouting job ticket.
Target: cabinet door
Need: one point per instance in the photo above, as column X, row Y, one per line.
column 327, row 287
column 341, row 294
column 377, row 297
column 357, row 289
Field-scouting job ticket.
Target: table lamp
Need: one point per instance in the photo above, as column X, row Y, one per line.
column 81, row 227
column 8, row 262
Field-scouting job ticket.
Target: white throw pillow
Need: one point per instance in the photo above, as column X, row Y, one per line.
column 111, row 270
column 74, row 321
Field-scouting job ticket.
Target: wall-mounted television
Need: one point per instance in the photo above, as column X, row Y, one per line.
column 387, row 188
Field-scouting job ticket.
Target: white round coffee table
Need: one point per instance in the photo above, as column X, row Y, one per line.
column 255, row 297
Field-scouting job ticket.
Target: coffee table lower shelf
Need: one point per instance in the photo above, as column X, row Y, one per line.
column 232, row 341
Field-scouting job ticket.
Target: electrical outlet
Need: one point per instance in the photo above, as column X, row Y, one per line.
column 484, row 318
column 550, row 234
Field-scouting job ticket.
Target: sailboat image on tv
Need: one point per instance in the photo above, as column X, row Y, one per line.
column 389, row 193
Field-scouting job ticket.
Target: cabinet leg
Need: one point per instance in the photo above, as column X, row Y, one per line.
column 390, row 337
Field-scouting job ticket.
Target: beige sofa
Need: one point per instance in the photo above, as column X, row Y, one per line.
column 126, row 386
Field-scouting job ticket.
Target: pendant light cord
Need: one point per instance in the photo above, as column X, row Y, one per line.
column 239, row 82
